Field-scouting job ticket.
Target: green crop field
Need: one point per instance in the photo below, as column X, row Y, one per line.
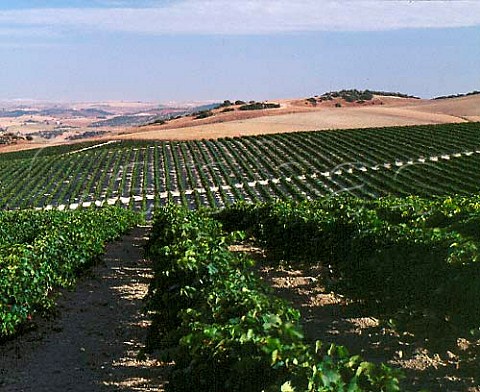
column 410, row 262
column 423, row 160
column 43, row 251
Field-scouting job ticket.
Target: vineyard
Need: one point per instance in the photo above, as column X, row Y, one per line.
column 224, row 329
column 43, row 251
column 422, row 160
column 410, row 262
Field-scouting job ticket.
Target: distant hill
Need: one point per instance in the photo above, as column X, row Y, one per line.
column 56, row 112
column 475, row 92
column 354, row 95
column 125, row 121
column 74, row 113
column 383, row 109
column 341, row 109
column 178, row 113
column 465, row 106
column 17, row 113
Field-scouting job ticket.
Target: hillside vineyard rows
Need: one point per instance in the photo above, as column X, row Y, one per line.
column 422, row 160
column 409, row 262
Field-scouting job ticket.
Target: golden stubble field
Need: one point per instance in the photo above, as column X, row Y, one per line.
column 294, row 115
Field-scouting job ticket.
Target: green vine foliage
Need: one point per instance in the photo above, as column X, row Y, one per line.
column 225, row 329
column 41, row 251
column 407, row 258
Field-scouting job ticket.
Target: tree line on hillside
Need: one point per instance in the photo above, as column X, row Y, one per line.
column 475, row 92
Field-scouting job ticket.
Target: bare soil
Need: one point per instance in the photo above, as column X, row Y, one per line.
column 295, row 116
column 461, row 106
column 331, row 318
column 93, row 342
column 338, row 118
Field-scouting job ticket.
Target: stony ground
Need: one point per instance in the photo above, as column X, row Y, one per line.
column 93, row 342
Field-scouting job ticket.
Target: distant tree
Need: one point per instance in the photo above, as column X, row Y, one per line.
column 225, row 104
column 366, row 95
column 475, row 92
column 203, row 114
column 259, row 106
column 349, row 98
column 159, row 121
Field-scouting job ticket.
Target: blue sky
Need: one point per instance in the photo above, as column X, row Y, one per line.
column 235, row 49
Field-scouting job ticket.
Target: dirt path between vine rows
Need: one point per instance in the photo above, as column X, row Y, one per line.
column 92, row 344
column 330, row 318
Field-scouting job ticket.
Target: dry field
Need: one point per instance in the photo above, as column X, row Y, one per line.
column 292, row 117
column 49, row 117
column 339, row 118
column 464, row 107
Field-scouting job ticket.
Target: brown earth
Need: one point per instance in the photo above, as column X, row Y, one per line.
column 338, row 118
column 296, row 115
column 93, row 343
column 331, row 318
column 461, row 107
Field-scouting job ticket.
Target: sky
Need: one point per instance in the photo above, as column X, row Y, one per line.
column 197, row 50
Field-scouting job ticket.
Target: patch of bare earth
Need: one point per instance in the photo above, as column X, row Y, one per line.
column 93, row 342
column 295, row 116
column 331, row 318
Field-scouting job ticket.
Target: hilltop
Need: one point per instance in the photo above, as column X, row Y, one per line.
column 314, row 113
column 31, row 126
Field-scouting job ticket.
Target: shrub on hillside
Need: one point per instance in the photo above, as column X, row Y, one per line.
column 259, row 106
column 203, row 114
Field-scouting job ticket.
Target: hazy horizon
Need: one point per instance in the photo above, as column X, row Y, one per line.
column 196, row 50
